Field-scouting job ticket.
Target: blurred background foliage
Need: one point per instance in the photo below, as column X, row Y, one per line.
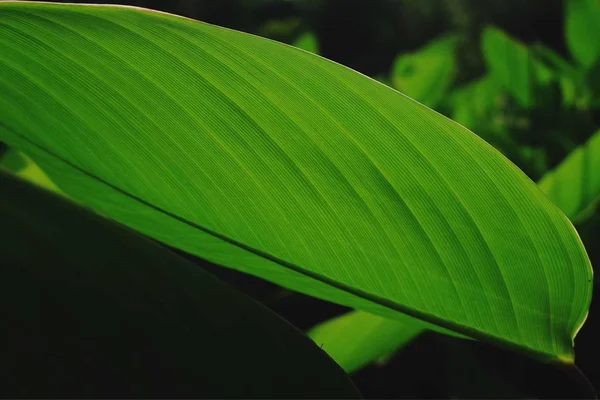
column 523, row 75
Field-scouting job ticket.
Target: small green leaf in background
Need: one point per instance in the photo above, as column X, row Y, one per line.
column 513, row 66
column 574, row 185
column 307, row 41
column 92, row 309
column 582, row 30
column 264, row 158
column 427, row 74
column 570, row 78
column 471, row 103
column 358, row 338
column 555, row 60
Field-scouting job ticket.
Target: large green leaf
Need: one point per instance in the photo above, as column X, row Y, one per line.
column 427, row 74
column 574, row 185
column 514, row 66
column 271, row 160
column 91, row 309
column 582, row 30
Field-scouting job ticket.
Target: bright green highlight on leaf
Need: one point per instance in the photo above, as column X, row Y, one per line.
column 270, row 160
column 427, row 74
column 357, row 338
column 574, row 185
column 582, row 30
column 151, row 322
column 25, row 168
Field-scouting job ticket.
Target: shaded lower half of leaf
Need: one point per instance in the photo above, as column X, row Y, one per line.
column 91, row 309
column 155, row 224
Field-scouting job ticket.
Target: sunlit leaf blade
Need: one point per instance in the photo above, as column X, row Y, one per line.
column 271, row 160
column 582, row 30
column 513, row 66
column 574, row 185
column 358, row 338
column 427, row 74
column 91, row 309
column 307, row 41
